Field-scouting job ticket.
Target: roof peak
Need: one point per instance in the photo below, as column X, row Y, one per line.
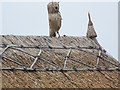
column 90, row 21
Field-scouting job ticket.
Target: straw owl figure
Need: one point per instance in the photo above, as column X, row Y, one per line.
column 54, row 18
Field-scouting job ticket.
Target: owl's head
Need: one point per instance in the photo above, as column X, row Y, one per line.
column 53, row 7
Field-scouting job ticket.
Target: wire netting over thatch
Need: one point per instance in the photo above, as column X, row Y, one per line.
column 34, row 61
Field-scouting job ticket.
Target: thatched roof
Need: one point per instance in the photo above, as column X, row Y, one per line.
column 65, row 62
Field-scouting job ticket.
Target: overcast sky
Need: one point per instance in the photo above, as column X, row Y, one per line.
column 31, row 18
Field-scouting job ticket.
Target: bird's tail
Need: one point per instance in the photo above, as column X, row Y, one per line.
column 52, row 33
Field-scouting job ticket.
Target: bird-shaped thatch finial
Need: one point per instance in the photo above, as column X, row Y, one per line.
column 91, row 31
column 55, row 18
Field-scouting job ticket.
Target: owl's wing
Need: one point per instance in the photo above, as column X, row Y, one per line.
column 59, row 16
column 58, row 21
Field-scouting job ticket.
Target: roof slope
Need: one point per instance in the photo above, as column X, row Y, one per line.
column 41, row 61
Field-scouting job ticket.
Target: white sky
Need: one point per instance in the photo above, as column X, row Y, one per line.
column 30, row 18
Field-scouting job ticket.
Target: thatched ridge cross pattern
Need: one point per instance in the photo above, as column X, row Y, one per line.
column 56, row 68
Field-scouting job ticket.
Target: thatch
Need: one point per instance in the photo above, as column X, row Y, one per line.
column 65, row 62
